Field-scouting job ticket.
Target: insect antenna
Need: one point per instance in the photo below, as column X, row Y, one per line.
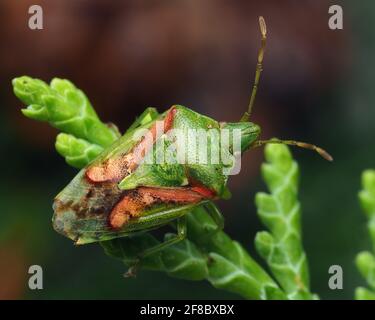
column 259, row 69
column 300, row 144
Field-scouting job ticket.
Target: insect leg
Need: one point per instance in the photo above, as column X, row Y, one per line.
column 215, row 214
column 181, row 235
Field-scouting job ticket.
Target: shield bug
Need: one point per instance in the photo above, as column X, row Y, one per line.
column 130, row 188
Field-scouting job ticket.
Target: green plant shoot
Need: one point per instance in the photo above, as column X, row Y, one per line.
column 365, row 260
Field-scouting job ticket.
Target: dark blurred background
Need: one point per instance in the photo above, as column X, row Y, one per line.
column 317, row 86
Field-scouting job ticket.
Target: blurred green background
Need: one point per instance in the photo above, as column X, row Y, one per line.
column 317, row 86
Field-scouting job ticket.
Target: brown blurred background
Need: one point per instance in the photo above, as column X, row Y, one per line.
column 128, row 55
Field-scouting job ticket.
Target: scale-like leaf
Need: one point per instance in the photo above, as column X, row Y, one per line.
column 280, row 212
column 365, row 260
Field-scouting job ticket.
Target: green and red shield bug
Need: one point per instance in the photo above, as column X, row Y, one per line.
column 120, row 193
